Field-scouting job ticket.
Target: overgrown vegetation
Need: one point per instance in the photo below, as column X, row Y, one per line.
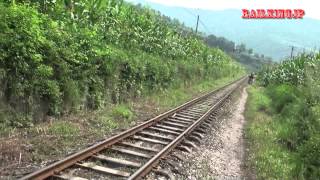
column 56, row 139
column 59, row 57
column 284, row 120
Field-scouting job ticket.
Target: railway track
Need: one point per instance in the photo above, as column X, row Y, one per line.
column 133, row 153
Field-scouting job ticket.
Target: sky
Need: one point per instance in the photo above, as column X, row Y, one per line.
column 311, row 7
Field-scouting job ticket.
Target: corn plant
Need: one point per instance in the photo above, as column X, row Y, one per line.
column 289, row 71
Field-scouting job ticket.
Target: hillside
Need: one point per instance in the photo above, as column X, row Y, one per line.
column 58, row 58
column 247, row 57
column 277, row 36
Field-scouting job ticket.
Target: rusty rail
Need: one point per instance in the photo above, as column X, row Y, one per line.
column 69, row 161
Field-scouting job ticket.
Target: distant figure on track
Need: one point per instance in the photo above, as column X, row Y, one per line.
column 251, row 78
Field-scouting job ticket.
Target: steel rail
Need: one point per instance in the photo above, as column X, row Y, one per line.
column 145, row 169
column 90, row 151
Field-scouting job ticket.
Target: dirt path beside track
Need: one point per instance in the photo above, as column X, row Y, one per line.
column 222, row 153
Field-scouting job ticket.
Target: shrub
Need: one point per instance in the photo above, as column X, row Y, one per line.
column 281, row 96
column 293, row 88
column 309, row 165
column 123, row 112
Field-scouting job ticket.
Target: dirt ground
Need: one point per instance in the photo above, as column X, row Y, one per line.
column 23, row 151
column 222, row 152
column 220, row 156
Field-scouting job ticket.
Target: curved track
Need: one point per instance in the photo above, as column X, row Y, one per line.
column 133, row 153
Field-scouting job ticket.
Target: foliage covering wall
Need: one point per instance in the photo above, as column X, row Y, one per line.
column 60, row 56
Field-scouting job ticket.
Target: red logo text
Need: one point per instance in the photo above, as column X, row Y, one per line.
column 273, row 13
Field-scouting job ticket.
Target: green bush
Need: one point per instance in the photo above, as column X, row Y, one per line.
column 309, row 153
column 294, row 129
column 123, row 112
column 281, row 95
column 56, row 59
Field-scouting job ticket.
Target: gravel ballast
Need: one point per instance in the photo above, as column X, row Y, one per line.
column 221, row 153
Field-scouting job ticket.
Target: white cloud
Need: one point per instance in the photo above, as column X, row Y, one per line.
column 311, row 7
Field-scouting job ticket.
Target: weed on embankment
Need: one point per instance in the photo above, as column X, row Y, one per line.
column 283, row 114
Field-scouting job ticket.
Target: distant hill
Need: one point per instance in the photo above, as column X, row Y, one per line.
column 270, row 37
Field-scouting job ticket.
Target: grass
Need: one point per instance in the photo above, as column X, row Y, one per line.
column 113, row 118
column 268, row 156
column 53, row 140
column 122, row 112
column 101, row 122
column 176, row 96
column 123, row 115
column 62, row 128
